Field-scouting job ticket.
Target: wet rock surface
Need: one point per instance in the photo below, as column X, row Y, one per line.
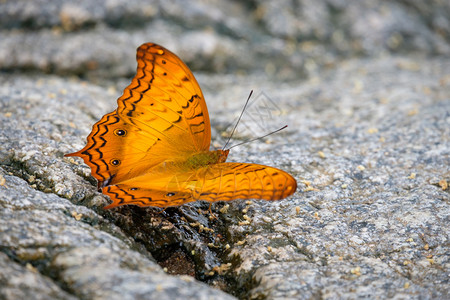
column 364, row 89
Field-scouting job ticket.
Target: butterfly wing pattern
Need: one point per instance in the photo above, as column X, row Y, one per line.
column 153, row 150
column 162, row 106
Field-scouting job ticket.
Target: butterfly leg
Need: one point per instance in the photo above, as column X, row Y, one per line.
column 213, row 216
column 163, row 210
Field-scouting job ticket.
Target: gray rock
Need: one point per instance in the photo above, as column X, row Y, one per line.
column 375, row 212
column 286, row 40
column 374, row 223
column 79, row 250
column 25, row 282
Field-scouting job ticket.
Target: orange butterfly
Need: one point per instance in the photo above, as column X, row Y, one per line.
column 153, row 150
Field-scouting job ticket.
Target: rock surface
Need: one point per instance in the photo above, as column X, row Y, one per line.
column 364, row 88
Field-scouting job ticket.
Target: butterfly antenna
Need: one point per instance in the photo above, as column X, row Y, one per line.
column 258, row 138
column 242, row 112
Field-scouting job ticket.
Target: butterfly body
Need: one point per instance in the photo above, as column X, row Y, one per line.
column 153, row 150
column 205, row 158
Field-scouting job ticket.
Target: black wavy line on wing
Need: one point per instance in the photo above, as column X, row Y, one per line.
column 95, row 148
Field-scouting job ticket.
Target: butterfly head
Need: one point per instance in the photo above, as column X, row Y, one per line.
column 223, row 154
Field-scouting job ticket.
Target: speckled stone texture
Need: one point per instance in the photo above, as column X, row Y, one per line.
column 364, row 88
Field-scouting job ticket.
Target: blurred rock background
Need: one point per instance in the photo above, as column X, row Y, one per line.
column 364, row 86
column 286, row 40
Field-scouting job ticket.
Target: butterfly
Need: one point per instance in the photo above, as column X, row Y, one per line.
column 153, row 150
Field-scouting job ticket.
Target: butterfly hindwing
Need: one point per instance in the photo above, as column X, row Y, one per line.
column 216, row 182
column 111, row 152
column 122, row 195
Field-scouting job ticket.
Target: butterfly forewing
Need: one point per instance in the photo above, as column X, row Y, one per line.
column 162, row 106
column 165, row 96
column 230, row 181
